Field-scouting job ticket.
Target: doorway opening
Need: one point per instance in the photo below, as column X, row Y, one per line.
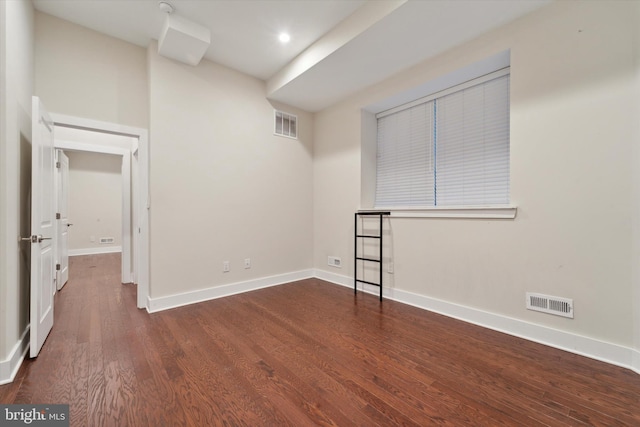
column 79, row 135
column 91, row 193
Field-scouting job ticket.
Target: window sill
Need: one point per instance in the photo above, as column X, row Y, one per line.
column 475, row 212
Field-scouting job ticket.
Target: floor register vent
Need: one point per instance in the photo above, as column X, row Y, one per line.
column 551, row 305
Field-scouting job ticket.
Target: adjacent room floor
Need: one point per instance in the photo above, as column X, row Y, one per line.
column 304, row 353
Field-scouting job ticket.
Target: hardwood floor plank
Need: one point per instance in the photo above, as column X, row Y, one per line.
column 360, row 381
column 158, row 393
column 210, row 376
column 218, row 350
column 381, row 366
column 246, row 370
column 95, row 384
column 368, row 380
column 302, row 353
column 277, row 344
column 79, row 393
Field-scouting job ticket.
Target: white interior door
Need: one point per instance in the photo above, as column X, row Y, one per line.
column 63, row 224
column 42, row 227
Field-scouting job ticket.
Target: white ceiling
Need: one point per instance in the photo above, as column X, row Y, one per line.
column 384, row 36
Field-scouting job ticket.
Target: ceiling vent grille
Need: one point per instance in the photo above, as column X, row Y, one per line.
column 551, row 305
column 285, row 124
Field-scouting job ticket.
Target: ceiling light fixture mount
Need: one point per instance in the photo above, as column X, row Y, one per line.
column 166, row 7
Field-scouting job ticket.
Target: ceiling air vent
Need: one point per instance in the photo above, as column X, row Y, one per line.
column 551, row 305
column 286, row 124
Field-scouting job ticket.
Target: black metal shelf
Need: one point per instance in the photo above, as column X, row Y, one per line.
column 357, row 258
column 368, row 259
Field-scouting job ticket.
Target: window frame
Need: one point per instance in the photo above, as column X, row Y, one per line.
column 496, row 211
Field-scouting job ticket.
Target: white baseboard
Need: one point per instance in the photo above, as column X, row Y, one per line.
column 9, row 367
column 636, row 361
column 95, row 251
column 589, row 347
column 178, row 300
column 595, row 349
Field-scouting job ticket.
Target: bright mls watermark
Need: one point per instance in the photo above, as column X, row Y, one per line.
column 34, row 415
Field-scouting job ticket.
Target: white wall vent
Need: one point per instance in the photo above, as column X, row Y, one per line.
column 551, row 305
column 106, row 240
column 285, row 124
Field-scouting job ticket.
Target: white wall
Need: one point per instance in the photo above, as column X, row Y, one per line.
column 95, row 201
column 223, row 188
column 636, row 193
column 3, row 178
column 16, row 63
column 573, row 129
column 83, row 73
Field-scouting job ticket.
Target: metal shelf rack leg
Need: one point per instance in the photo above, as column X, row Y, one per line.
column 361, row 235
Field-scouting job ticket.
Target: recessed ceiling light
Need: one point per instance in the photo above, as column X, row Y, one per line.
column 284, row 38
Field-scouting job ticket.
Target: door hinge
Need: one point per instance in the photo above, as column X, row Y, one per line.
column 57, row 165
column 58, row 215
column 57, row 267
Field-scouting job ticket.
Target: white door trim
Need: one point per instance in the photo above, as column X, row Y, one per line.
column 127, row 250
column 62, row 222
column 142, row 268
column 93, row 148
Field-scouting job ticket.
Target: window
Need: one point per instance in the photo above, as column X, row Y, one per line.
column 286, row 124
column 447, row 149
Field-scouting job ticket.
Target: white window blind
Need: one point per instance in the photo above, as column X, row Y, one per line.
column 450, row 149
column 405, row 157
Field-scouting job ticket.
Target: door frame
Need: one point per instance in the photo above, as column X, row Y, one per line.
column 60, row 200
column 141, row 269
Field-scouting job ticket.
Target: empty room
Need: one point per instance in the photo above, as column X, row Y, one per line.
column 320, row 212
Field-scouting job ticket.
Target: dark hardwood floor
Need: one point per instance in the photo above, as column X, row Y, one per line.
column 304, row 353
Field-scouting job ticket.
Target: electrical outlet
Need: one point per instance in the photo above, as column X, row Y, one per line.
column 226, row 267
column 390, row 268
column 334, row 261
column 247, row 263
